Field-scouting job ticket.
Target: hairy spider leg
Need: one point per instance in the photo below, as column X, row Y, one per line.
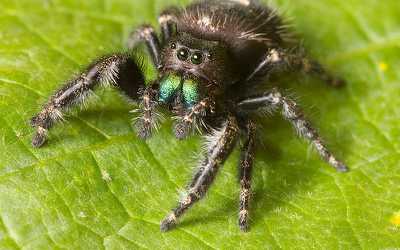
column 281, row 60
column 245, row 170
column 147, row 34
column 120, row 70
column 167, row 21
column 221, row 144
column 291, row 112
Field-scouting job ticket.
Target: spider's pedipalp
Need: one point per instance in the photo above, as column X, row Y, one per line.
column 149, row 118
column 193, row 119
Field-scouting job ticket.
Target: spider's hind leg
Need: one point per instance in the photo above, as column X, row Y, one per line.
column 313, row 67
column 282, row 60
column 291, row 112
column 120, row 70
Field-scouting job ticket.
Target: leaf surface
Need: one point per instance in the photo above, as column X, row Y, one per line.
column 96, row 186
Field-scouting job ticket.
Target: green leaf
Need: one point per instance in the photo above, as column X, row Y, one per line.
column 95, row 185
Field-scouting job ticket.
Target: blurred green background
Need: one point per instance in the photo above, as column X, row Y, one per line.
column 96, row 186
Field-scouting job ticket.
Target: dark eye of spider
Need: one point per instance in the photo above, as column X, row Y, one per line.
column 197, row 58
column 173, row 45
column 183, row 54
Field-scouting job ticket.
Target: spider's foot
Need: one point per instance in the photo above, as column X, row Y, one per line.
column 168, row 223
column 182, row 130
column 244, row 221
column 338, row 165
column 342, row 168
column 143, row 128
column 39, row 138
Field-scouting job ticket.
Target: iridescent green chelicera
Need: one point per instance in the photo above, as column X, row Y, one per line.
column 171, row 84
column 168, row 87
column 190, row 92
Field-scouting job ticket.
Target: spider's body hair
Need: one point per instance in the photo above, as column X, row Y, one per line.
column 109, row 74
column 211, row 143
column 211, row 139
column 229, row 20
column 85, row 98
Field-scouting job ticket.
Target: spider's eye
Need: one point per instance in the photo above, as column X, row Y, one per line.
column 173, row 45
column 183, row 54
column 197, row 58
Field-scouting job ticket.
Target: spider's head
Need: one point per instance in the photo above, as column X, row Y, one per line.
column 194, row 69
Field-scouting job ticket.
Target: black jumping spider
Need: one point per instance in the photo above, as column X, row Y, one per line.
column 210, row 58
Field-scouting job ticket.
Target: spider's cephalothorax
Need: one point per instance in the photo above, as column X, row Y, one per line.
column 212, row 58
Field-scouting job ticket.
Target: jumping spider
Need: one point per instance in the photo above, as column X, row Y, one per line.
column 211, row 57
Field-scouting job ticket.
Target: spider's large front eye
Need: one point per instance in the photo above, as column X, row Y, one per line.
column 183, row 54
column 197, row 58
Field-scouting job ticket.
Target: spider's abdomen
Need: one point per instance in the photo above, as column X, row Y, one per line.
column 233, row 21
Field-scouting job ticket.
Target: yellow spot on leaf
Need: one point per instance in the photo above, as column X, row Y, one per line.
column 395, row 220
column 383, row 66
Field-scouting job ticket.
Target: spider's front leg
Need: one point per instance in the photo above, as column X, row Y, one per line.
column 120, row 70
column 220, row 146
column 281, row 60
column 167, row 21
column 292, row 113
column 148, row 35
